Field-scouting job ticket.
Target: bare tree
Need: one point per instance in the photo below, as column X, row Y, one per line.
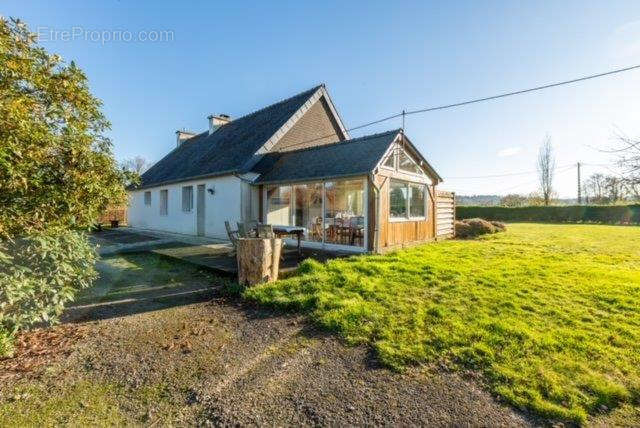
column 629, row 155
column 632, row 189
column 137, row 164
column 629, row 162
column 595, row 188
column 546, row 169
column 614, row 188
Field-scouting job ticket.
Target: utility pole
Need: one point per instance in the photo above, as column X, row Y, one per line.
column 579, row 186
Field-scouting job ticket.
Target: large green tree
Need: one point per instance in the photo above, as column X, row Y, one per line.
column 57, row 170
column 57, row 174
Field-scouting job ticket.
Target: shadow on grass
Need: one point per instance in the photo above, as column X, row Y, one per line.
column 135, row 283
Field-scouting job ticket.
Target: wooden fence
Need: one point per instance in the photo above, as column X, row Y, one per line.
column 114, row 213
column 445, row 214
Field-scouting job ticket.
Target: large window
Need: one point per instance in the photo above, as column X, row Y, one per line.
column 279, row 205
column 341, row 221
column 164, row 202
column 187, row 198
column 407, row 200
column 344, row 212
column 307, row 210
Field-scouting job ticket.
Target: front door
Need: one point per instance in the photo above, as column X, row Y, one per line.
column 200, row 210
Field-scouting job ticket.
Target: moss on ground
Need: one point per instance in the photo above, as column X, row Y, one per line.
column 549, row 314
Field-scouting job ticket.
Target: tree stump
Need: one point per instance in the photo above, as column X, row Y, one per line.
column 258, row 260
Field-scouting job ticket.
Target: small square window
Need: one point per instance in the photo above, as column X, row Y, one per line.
column 147, row 198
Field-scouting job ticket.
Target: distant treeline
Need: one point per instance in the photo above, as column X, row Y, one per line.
column 512, row 200
column 610, row 214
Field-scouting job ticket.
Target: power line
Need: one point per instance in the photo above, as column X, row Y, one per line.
column 403, row 114
column 569, row 168
column 524, row 91
column 509, row 174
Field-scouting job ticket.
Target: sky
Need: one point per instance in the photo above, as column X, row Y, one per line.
column 161, row 66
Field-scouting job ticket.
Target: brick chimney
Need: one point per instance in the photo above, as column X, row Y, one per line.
column 182, row 136
column 216, row 121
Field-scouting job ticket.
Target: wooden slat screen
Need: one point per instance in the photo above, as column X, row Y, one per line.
column 445, row 214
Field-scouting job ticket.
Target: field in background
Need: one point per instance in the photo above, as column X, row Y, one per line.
column 547, row 315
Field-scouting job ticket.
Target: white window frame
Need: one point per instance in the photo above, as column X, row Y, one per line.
column 147, row 198
column 189, row 207
column 408, row 217
column 164, row 204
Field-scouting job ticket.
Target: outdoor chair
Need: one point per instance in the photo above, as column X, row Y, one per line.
column 242, row 230
column 356, row 224
column 265, row 231
column 248, row 229
column 316, row 229
column 233, row 236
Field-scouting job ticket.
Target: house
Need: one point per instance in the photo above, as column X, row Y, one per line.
column 293, row 163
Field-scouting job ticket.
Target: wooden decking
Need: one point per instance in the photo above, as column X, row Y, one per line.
column 209, row 254
column 218, row 258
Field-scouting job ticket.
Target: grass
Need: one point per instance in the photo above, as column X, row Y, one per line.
column 124, row 276
column 81, row 404
column 548, row 314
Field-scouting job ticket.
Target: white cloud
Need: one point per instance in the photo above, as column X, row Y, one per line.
column 625, row 41
column 509, row 151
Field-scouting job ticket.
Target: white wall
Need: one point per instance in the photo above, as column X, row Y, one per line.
column 224, row 204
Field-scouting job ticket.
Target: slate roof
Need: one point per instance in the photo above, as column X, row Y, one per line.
column 358, row 156
column 227, row 149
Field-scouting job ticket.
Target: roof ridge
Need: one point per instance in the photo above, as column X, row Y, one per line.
column 352, row 140
column 315, row 88
column 311, row 90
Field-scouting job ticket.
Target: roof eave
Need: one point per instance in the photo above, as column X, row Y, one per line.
column 319, row 178
column 336, row 114
column 192, row 178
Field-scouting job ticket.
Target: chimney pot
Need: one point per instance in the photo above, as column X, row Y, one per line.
column 216, row 121
column 182, row 136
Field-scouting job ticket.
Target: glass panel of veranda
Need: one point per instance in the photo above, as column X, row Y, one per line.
column 344, row 212
column 307, row 210
column 342, row 221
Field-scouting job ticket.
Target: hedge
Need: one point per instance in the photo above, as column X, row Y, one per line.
column 38, row 275
column 611, row 214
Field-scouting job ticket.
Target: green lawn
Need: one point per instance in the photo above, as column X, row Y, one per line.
column 548, row 314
